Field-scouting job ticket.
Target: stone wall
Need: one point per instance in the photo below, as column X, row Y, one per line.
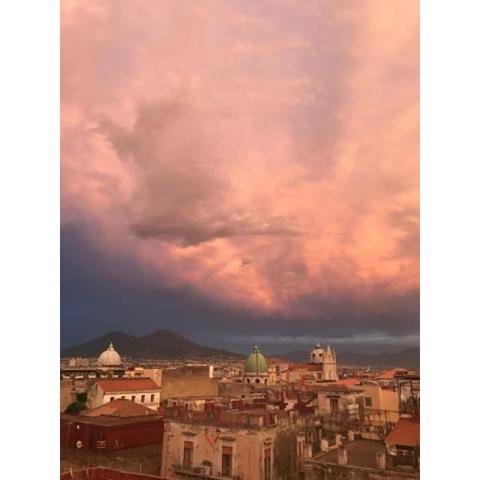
column 234, row 389
column 67, row 394
column 188, row 381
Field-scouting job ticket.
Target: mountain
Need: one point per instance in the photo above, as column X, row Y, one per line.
column 166, row 345
column 161, row 344
column 409, row 358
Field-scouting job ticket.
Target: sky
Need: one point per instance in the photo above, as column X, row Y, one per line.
column 241, row 172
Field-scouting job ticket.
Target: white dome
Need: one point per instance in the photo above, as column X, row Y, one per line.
column 109, row 358
column 317, row 355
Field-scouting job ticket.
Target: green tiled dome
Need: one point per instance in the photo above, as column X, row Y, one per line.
column 256, row 363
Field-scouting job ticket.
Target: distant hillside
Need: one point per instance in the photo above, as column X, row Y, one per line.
column 159, row 345
column 409, row 358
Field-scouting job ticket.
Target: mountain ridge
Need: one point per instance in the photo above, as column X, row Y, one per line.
column 158, row 345
column 169, row 345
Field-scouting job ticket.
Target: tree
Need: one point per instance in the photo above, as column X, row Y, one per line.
column 285, row 455
column 76, row 407
column 82, row 397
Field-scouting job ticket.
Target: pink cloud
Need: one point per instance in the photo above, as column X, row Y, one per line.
column 260, row 153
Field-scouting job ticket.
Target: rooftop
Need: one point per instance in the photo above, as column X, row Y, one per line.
column 349, row 381
column 127, row 384
column 246, row 418
column 90, row 368
column 334, row 388
column 405, row 433
column 109, row 421
column 360, row 453
column 119, row 408
column 392, row 373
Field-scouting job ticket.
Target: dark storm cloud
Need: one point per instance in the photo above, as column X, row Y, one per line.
column 101, row 293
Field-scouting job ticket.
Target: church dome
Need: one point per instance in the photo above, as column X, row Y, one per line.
column 109, row 358
column 256, row 363
column 317, row 355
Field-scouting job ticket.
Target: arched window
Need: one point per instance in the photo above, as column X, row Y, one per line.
column 248, row 380
column 265, row 381
column 257, row 380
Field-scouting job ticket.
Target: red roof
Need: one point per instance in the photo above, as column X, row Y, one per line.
column 390, row 374
column 406, row 433
column 119, row 408
column 348, row 381
column 127, row 385
column 304, row 366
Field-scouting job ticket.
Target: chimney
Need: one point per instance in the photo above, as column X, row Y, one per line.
column 342, row 455
column 381, row 460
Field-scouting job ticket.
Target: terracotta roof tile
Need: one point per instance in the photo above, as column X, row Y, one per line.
column 119, row 408
column 390, row 374
column 349, row 381
column 127, row 385
column 311, row 367
column 406, row 433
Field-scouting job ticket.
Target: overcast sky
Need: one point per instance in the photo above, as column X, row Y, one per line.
column 241, row 172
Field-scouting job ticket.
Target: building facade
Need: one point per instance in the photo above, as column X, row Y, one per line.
column 188, row 380
column 192, row 449
column 380, row 404
column 140, row 390
column 108, row 433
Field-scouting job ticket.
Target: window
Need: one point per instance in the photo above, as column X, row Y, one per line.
column 112, row 399
column 267, row 464
column 300, row 449
column 257, row 380
column 152, row 397
column 334, row 405
column 187, row 455
column 133, row 398
column 368, row 401
column 226, row 461
column 143, row 398
column 123, row 397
